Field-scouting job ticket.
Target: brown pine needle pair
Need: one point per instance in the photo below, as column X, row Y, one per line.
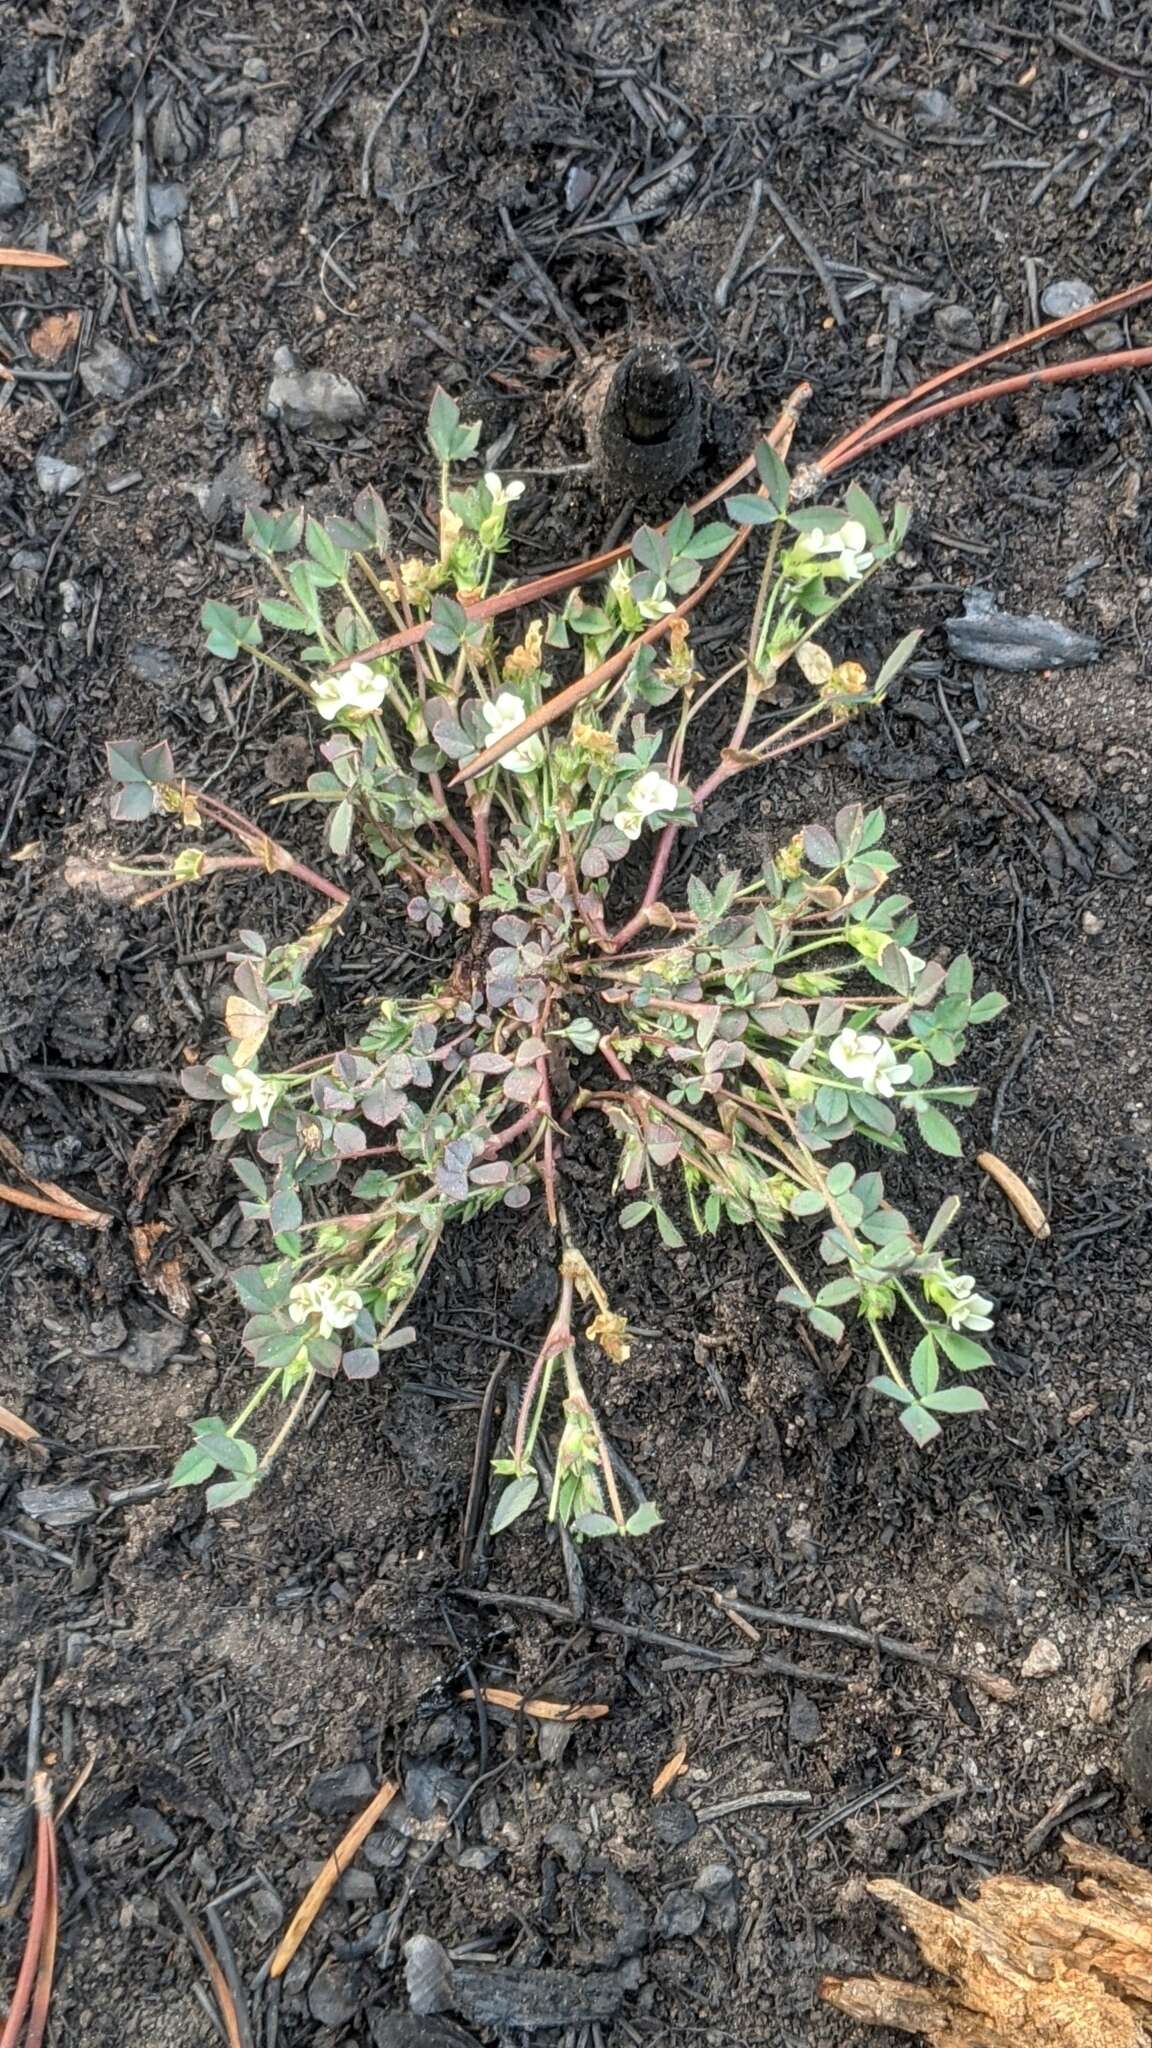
column 325, row 1882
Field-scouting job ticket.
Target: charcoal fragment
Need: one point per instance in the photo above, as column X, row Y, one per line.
column 1002, row 640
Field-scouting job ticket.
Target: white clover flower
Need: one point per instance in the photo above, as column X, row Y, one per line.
column 250, row 1093
column 503, row 716
column 502, row 493
column 969, row 1310
column 868, row 1059
column 649, row 793
column 653, row 792
column 355, row 691
column 328, row 1301
column 855, row 555
column 848, row 542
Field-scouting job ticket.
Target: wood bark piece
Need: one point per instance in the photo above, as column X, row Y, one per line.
column 1029, row 1965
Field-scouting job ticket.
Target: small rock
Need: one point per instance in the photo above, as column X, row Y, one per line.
column 165, row 251
column 231, row 141
column 681, row 1916
column 674, row 1823
column 567, row 1844
column 55, row 477
column 715, row 1881
column 1091, row 925
column 805, row 1725
column 934, row 109
column 107, row 371
column 1067, row 295
column 314, row 398
column 428, row 1975
column 997, row 639
column 333, row 1995
column 384, row 1850
column 256, row 69
column 266, row 1911
column 11, row 189
column 578, row 183
column 343, row 1791
column 1044, row 1659
column 958, row 326
column 477, row 1858
column 1106, row 336
column 167, row 202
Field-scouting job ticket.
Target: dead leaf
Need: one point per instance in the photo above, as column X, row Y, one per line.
column 166, row 1278
column 247, row 1026
column 1021, row 1197
column 32, row 849
column 675, row 1767
column 52, row 337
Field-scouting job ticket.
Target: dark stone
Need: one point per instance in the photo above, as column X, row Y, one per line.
column 674, row 1823
column 315, row 398
column 1066, row 295
column 343, row 1791
column 333, row 1995
column 107, row 371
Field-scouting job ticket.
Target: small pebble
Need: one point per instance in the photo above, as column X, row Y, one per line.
column 1105, row 336
column 54, row 477
column 674, row 1823
column 314, row 398
column 1044, row 1659
column 1091, row 925
column 958, row 326
column 333, row 1995
column 11, row 189
column 107, row 371
column 343, row 1791
column 1067, row 295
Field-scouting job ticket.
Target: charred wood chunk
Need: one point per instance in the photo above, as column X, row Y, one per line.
column 650, row 423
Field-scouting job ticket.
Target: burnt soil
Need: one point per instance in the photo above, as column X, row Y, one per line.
column 208, row 1670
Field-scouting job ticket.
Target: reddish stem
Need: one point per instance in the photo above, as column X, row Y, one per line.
column 1000, row 387
column 608, row 1055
